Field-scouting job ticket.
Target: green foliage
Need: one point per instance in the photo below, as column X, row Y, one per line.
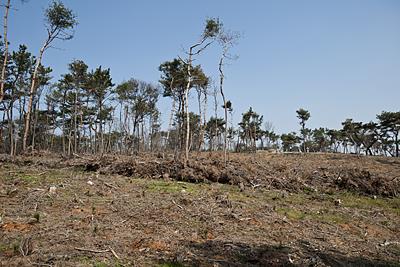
column 212, row 28
column 174, row 78
column 140, row 97
column 390, row 129
column 289, row 141
column 213, row 131
column 303, row 115
column 250, row 128
column 59, row 20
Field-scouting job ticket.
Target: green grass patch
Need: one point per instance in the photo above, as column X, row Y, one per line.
column 100, row 264
column 328, row 217
column 29, row 178
column 291, row 214
column 391, row 205
column 172, row 187
column 34, row 176
column 319, row 216
column 87, row 261
column 171, row 264
column 3, row 247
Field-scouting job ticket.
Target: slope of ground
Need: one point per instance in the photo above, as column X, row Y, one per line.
column 288, row 210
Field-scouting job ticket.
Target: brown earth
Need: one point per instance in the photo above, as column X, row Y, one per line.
column 262, row 210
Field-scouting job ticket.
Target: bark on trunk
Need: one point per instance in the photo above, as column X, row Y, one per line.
column 3, row 70
column 186, row 96
column 221, row 82
column 170, row 121
column 31, row 97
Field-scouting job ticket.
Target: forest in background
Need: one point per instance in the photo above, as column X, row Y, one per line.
column 83, row 111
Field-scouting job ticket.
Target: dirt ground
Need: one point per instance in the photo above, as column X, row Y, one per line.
column 262, row 210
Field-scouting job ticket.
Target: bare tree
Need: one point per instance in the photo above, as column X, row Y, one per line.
column 226, row 39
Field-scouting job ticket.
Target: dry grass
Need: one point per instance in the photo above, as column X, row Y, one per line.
column 163, row 222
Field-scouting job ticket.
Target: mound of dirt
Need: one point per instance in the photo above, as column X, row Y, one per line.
column 290, row 172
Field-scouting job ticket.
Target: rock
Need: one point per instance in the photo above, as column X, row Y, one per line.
column 241, row 187
column 52, row 190
column 90, row 182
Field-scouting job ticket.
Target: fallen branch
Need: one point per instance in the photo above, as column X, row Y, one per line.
column 113, row 252
column 173, row 201
column 254, row 185
column 38, row 189
column 85, row 158
column 41, row 264
column 110, row 185
column 388, row 243
column 100, row 251
column 92, row 250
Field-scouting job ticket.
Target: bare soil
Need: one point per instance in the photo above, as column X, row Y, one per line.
column 262, row 210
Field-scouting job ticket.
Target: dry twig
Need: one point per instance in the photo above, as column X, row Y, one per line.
column 100, row 251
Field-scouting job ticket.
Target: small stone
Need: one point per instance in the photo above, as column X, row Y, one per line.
column 374, row 197
column 241, row 187
column 90, row 183
column 52, row 190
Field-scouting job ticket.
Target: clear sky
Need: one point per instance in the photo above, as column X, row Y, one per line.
column 339, row 59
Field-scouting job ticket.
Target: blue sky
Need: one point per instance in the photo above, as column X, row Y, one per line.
column 338, row 59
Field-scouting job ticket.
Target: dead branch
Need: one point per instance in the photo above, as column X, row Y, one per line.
column 81, row 157
column 254, row 185
column 100, row 251
column 41, row 264
column 173, row 201
column 92, row 250
column 110, row 185
column 113, row 252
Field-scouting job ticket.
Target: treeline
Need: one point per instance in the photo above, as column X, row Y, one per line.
column 370, row 138
column 85, row 112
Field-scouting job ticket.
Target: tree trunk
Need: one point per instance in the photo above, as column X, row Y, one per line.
column 35, row 120
column 186, row 97
column 215, row 143
column 3, row 70
column 170, row 121
column 11, row 123
column 31, row 96
column 204, row 116
column 200, row 143
column 221, row 82
column 303, row 126
column 76, row 121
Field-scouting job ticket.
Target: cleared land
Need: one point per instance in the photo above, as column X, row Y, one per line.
column 263, row 210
